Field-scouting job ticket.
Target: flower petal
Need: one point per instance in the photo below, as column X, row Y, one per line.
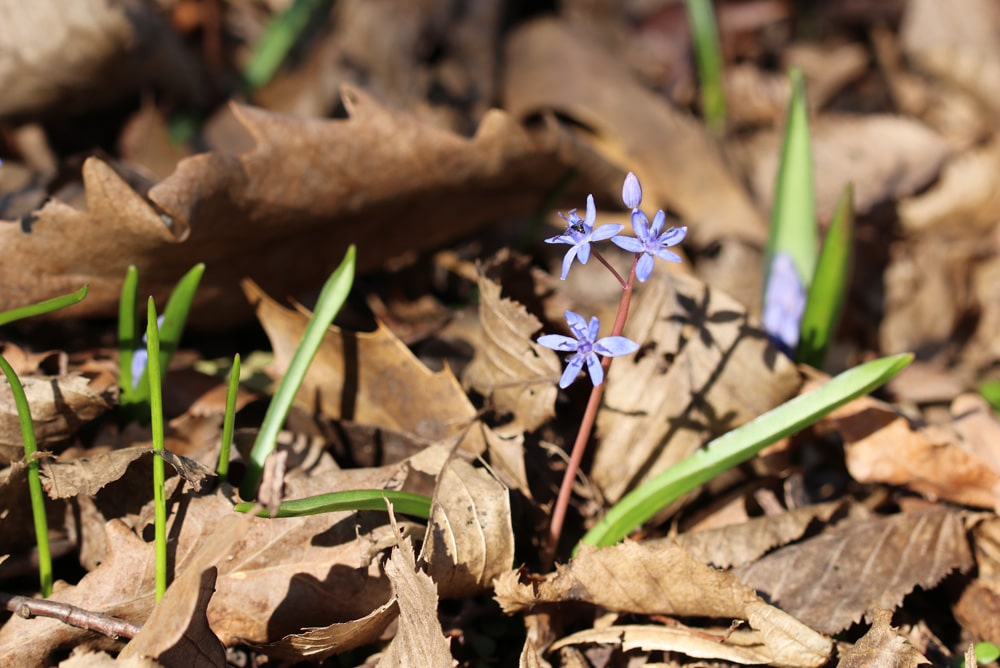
column 606, row 232
column 595, row 370
column 591, row 210
column 658, row 220
column 631, row 191
column 577, row 323
column 615, row 346
column 573, row 367
column 669, row 256
column 558, row 342
column 630, row 244
column 644, row 268
column 595, row 327
column 672, row 237
column 568, row 261
column 583, row 252
column 561, row 239
column 640, row 224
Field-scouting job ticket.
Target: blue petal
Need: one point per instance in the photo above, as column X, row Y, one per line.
column 657, row 223
column 584, row 252
column 631, row 191
column 606, row 232
column 644, row 268
column 558, row 342
column 595, row 327
column 591, row 210
column 640, row 224
column 615, row 346
column 673, row 236
column 630, row 244
column 573, row 367
column 577, row 324
column 669, row 256
column 568, row 261
column 560, row 239
column 595, row 369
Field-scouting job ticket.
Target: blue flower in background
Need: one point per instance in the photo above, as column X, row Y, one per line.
column 784, row 303
column 141, row 356
column 579, row 233
column 586, row 346
column 649, row 241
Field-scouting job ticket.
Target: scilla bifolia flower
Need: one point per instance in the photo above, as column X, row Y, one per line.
column 648, row 240
column 579, row 233
column 587, row 347
column 784, row 304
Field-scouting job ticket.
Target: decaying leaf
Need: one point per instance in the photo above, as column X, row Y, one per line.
column 89, row 475
column 882, row 647
column 370, row 377
column 830, row 581
column 470, row 538
column 316, row 644
column 635, row 578
column 978, row 608
column 700, row 371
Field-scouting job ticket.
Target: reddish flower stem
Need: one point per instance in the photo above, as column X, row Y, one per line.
column 587, row 424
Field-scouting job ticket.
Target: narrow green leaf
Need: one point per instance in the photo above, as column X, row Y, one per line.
column 229, row 419
column 415, row 505
column 332, row 297
column 280, row 35
column 990, row 390
column 128, row 330
column 739, row 445
column 829, row 285
column 156, row 420
column 793, row 217
column 46, row 306
column 708, row 53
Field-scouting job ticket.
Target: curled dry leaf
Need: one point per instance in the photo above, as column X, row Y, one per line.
column 635, row 578
column 701, row 370
column 317, row 644
column 381, row 180
column 369, row 377
column 60, row 405
column 830, row 581
column 470, row 536
column 882, row 647
column 89, row 474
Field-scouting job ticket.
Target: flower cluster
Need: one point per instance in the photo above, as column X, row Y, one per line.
column 649, row 241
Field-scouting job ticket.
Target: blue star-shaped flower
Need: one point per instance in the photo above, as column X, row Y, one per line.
column 587, row 349
column 579, row 233
column 649, row 241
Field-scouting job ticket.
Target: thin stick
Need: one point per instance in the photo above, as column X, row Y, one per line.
column 69, row 614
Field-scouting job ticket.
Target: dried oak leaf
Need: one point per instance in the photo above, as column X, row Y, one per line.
column 882, row 647
column 701, row 370
column 830, row 581
column 635, row 578
column 60, row 405
column 283, row 212
column 369, row 377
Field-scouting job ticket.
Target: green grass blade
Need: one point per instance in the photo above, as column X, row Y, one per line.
column 280, row 35
column 990, row 390
column 229, row 420
column 793, row 217
column 829, row 285
column 128, row 330
column 708, row 53
column 34, row 481
column 330, row 300
column 739, row 445
column 415, row 505
column 156, row 419
column 46, row 306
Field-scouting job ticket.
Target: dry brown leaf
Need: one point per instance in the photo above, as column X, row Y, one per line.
column 84, row 659
column 509, row 367
column 882, row 647
column 376, row 179
column 317, row 644
column 701, row 371
column 830, row 581
column 59, row 407
column 115, row 49
column 419, row 640
column 978, row 608
column 369, row 377
column 635, row 578
column 470, row 537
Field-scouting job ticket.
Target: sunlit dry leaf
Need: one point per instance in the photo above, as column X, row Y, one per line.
column 317, row 644
column 701, row 370
column 59, row 407
column 88, row 475
column 882, row 647
column 636, row 578
column 829, row 581
column 419, row 640
column 470, row 538
column 509, row 367
column 85, row 659
column 369, row 377
column 381, row 180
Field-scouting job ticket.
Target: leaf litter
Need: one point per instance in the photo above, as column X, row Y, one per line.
column 441, row 147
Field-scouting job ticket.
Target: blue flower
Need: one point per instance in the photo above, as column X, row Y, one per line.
column 784, row 303
column 649, row 241
column 632, row 191
column 579, row 233
column 587, row 349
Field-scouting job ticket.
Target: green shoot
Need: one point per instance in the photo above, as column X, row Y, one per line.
column 990, row 390
column 156, row 418
column 280, row 35
column 46, row 306
column 793, row 218
column 405, row 503
column 330, row 300
column 222, row 468
column 826, row 294
column 739, row 445
column 708, row 53
column 34, row 481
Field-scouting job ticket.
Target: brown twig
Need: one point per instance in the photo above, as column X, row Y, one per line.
column 69, row 614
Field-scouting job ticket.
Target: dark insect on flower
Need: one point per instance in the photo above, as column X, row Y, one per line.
column 580, row 233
